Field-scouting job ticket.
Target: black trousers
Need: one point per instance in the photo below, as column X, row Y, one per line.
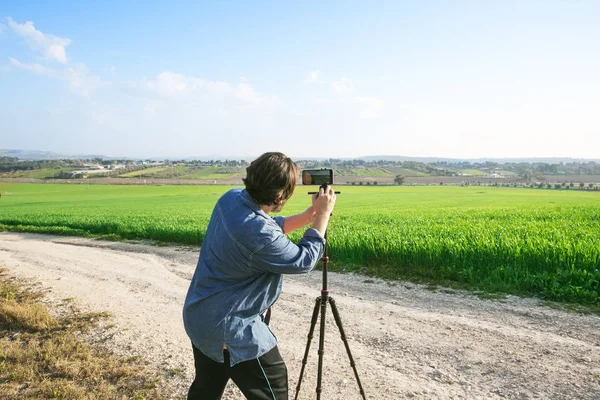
column 264, row 378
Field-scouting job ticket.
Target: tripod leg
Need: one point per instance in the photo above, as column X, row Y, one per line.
column 311, row 331
column 338, row 322
column 324, row 302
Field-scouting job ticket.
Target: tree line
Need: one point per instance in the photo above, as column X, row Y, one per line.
column 528, row 171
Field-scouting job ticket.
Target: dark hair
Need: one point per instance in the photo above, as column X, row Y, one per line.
column 271, row 178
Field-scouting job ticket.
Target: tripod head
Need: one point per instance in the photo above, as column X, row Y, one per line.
column 322, row 177
column 324, row 187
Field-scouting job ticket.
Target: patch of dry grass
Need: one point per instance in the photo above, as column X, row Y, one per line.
column 43, row 357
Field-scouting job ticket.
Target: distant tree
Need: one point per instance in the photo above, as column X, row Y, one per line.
column 581, row 185
column 591, row 186
column 399, row 179
column 375, row 183
column 360, row 183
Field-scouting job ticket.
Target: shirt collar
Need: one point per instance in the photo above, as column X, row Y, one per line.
column 246, row 198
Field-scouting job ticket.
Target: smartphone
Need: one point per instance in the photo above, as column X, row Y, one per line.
column 319, row 177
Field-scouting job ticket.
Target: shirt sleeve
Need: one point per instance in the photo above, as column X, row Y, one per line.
column 280, row 220
column 283, row 256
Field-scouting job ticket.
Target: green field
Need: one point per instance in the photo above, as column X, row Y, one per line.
column 215, row 173
column 366, row 172
column 172, row 172
column 472, row 172
column 148, row 172
column 406, row 172
column 523, row 241
column 37, row 173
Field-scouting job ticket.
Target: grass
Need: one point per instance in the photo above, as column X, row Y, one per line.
column 366, row 172
column 215, row 173
column 148, row 172
column 172, row 172
column 43, row 357
column 406, row 172
column 532, row 242
column 37, row 174
column 472, row 172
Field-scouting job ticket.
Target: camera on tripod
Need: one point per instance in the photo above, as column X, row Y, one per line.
column 320, row 177
column 324, row 177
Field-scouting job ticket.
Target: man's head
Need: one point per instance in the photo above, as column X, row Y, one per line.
column 271, row 179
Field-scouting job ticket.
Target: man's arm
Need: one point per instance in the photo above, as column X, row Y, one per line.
column 295, row 222
column 284, row 257
column 318, row 213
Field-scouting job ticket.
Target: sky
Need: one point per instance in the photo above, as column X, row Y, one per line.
column 335, row 79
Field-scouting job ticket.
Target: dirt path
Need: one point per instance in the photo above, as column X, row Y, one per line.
column 408, row 342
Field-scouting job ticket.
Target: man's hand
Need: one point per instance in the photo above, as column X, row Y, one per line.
column 323, row 204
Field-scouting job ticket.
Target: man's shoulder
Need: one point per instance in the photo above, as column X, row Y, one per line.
column 250, row 227
column 231, row 194
column 230, row 199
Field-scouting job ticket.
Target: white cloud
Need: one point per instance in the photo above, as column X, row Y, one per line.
column 2, row 29
column 353, row 106
column 52, row 47
column 81, row 82
column 35, row 68
column 113, row 69
column 172, row 85
column 78, row 78
column 322, row 101
column 365, row 107
column 313, row 77
column 246, row 93
column 218, row 87
column 343, row 86
column 370, row 106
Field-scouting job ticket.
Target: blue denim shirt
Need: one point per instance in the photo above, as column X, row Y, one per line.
column 239, row 275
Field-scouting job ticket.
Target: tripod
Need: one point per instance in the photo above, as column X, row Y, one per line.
column 321, row 303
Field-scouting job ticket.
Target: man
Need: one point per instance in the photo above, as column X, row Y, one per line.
column 239, row 276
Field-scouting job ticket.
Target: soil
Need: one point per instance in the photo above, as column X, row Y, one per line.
column 408, row 342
